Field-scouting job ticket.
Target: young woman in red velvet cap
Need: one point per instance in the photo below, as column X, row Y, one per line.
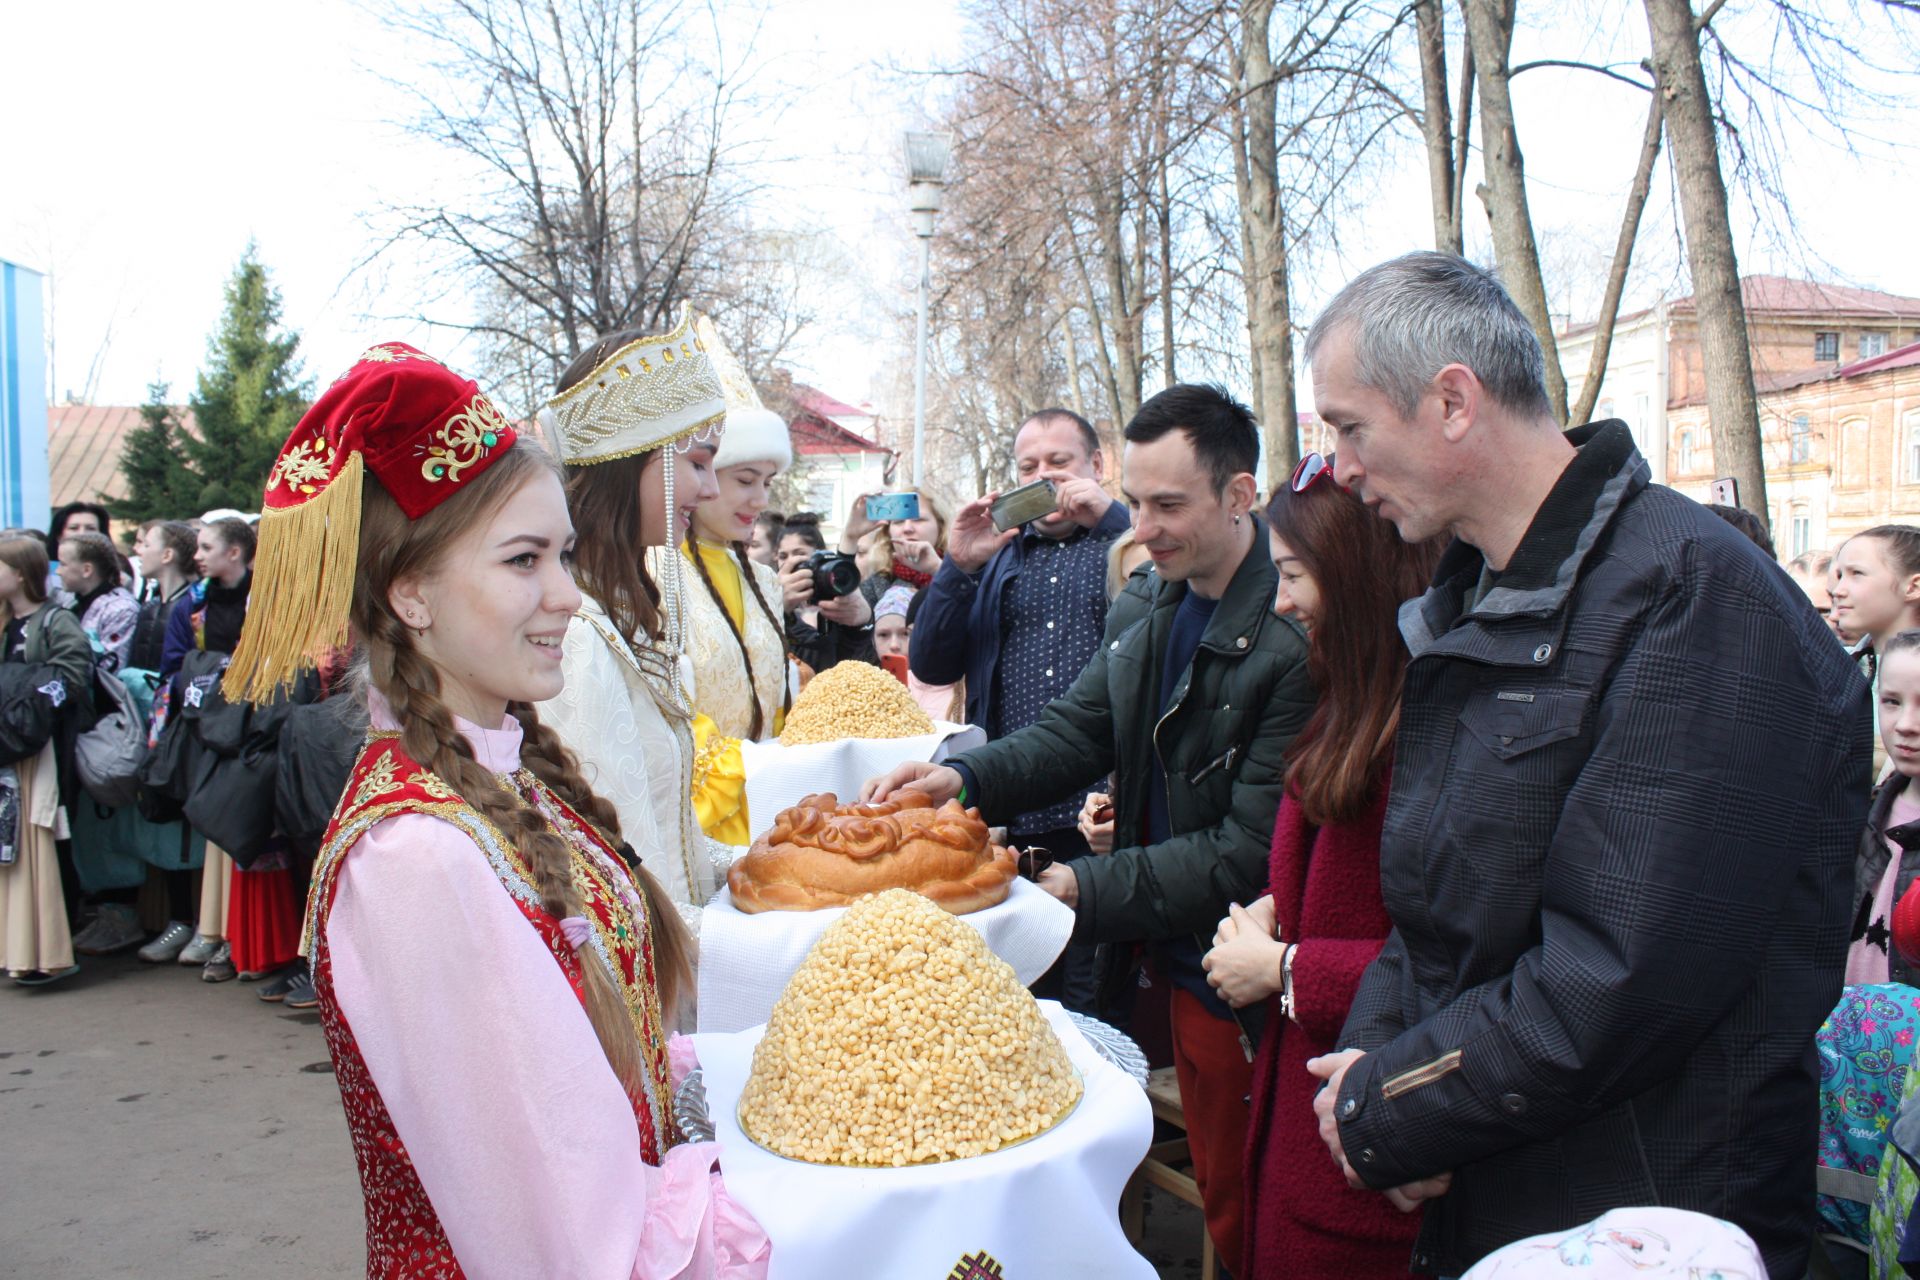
column 1302, row 948
column 496, row 979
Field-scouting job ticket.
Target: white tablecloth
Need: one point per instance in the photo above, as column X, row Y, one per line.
column 747, row 960
column 779, row 777
column 1046, row 1207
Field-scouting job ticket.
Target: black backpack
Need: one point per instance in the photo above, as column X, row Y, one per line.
column 33, row 696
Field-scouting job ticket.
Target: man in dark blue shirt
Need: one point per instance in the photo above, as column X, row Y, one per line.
column 1018, row 615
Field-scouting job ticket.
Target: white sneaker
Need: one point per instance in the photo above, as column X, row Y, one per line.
column 117, row 929
column 172, row 941
column 197, row 952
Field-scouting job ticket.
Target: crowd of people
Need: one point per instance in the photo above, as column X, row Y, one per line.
column 1486, row 836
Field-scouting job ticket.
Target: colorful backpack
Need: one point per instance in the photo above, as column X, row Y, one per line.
column 1866, row 1047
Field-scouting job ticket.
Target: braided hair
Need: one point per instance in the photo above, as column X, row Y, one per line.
column 393, row 547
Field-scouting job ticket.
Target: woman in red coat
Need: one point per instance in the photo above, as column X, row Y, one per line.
column 1302, row 948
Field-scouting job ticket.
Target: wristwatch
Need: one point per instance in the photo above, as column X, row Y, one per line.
column 1286, row 981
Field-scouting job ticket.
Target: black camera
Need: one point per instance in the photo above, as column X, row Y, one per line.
column 835, row 574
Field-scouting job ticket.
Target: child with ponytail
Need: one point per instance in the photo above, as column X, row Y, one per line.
column 496, row 977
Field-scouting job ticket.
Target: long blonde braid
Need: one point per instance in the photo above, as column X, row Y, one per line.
column 393, row 547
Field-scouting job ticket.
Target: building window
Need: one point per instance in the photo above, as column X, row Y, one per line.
column 1802, row 537
column 1872, row 344
column 1856, row 453
column 1686, row 451
column 1800, row 439
column 1913, row 450
column 1826, row 348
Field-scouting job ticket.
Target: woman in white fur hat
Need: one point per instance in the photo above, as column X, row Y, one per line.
column 734, row 631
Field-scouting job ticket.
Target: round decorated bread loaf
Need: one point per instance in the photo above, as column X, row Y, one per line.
column 821, row 853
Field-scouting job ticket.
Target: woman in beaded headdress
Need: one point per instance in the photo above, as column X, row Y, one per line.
column 496, row 981
column 637, row 419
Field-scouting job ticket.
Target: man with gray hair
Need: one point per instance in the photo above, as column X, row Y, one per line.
column 1618, row 853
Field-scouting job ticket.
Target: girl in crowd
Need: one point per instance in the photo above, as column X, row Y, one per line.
column 637, row 431
column 39, row 891
column 209, row 618
column 1302, row 948
column 764, row 546
column 893, row 620
column 917, row 546
column 734, row 636
column 165, row 550
column 1889, row 857
column 90, row 572
column 495, row 981
column 1876, row 584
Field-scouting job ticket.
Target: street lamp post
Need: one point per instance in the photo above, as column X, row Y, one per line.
column 927, row 155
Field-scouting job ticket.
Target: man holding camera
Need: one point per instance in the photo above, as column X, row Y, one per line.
column 1018, row 613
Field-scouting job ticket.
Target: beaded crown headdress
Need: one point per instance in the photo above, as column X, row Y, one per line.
column 655, row 391
column 424, row 432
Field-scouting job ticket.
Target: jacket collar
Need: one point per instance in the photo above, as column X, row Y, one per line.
column 1243, row 609
column 1606, row 470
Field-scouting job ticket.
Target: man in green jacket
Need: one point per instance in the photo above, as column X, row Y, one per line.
column 1190, row 705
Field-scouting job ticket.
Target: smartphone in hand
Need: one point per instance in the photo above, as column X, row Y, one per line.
column 883, row 507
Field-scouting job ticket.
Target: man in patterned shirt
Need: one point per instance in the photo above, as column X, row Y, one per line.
column 1018, row 614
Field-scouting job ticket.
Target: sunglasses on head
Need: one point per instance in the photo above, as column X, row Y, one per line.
column 1311, row 468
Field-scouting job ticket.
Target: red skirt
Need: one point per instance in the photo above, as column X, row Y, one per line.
column 263, row 920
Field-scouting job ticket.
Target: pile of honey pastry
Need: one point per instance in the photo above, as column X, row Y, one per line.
column 902, row 1039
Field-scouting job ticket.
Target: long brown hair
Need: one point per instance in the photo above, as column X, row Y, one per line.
column 393, row 547
column 610, row 558
column 25, row 552
column 1355, row 656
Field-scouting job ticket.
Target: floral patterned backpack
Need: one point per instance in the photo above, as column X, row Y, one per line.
column 1867, row 1048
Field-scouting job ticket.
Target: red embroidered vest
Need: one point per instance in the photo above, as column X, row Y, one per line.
column 404, row 1236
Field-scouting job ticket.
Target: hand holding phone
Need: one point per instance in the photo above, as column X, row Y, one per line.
column 882, row 507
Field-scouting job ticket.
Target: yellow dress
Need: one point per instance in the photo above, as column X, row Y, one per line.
column 722, row 693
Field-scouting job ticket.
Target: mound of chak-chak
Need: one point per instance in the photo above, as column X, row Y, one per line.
column 821, row 853
column 903, row 1040
column 853, row 700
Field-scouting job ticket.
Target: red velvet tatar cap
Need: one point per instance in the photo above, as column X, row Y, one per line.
column 422, row 430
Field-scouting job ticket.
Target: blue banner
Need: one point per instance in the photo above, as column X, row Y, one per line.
column 24, row 501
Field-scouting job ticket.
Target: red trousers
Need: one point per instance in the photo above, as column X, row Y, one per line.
column 1214, row 1077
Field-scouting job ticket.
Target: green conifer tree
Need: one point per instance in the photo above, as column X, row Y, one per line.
column 250, row 393
column 159, row 485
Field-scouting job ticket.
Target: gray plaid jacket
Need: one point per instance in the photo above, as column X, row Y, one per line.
column 1618, row 857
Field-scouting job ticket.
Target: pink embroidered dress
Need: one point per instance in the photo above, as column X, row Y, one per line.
column 492, row 1136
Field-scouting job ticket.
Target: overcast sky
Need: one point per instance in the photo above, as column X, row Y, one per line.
column 143, row 145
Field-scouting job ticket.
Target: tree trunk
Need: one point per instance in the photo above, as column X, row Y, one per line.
column 1490, row 28
column 1073, row 367
column 1733, row 411
column 1617, row 274
column 1436, row 122
column 1269, row 322
column 1242, row 191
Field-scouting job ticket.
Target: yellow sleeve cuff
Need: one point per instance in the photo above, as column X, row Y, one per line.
column 719, row 784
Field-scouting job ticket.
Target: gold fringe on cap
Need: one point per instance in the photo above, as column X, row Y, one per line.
column 302, row 588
